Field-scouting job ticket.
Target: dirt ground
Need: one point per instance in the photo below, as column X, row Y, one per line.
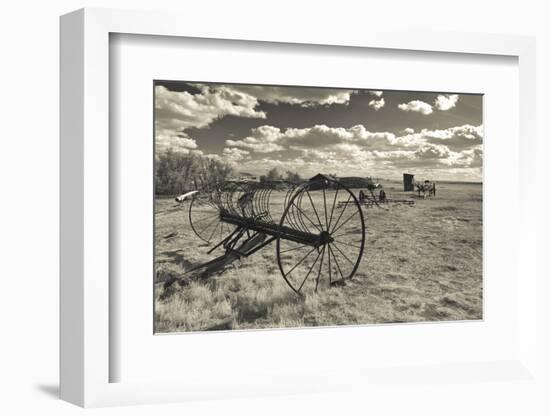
column 420, row 263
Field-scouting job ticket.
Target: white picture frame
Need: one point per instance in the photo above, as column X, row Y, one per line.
column 85, row 265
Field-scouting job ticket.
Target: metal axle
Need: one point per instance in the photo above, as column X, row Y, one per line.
column 276, row 230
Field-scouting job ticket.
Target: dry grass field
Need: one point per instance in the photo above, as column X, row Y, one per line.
column 420, row 263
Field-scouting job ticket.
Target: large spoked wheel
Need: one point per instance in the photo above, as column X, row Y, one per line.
column 329, row 210
column 204, row 218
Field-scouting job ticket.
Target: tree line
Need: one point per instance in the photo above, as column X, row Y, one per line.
column 177, row 173
column 275, row 175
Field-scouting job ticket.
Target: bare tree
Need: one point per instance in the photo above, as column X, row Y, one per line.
column 273, row 175
column 176, row 172
column 293, row 177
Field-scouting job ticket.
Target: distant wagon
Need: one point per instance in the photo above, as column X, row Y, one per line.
column 368, row 199
column 425, row 189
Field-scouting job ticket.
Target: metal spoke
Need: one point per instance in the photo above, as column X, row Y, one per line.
column 347, row 244
column 325, row 202
column 320, row 267
column 346, row 257
column 336, row 261
column 310, row 269
column 313, row 206
column 300, row 262
column 208, row 225
column 213, row 231
column 292, row 249
column 332, row 210
column 307, row 216
column 329, row 269
column 342, row 213
column 340, row 235
column 206, row 218
column 349, row 218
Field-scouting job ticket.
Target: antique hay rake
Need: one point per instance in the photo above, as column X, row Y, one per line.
column 319, row 238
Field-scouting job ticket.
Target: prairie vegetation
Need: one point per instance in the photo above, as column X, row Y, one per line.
column 420, row 263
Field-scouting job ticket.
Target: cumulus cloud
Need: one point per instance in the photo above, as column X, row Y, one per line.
column 321, row 135
column 456, row 138
column 417, row 106
column 442, row 103
column 446, row 102
column 303, row 96
column 267, row 139
column 356, row 150
column 432, row 151
column 376, row 93
column 255, row 145
column 377, row 104
column 263, row 139
column 177, row 111
column 182, row 110
column 473, row 157
column 408, row 130
column 179, row 142
column 235, row 154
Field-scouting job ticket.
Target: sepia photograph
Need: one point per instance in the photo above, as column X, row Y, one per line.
column 304, row 206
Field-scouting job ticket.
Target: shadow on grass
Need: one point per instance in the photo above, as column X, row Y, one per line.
column 175, row 256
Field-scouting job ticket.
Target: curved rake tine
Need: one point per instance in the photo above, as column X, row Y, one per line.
column 267, row 202
column 291, row 213
column 305, row 228
column 292, row 219
column 304, row 214
column 296, row 216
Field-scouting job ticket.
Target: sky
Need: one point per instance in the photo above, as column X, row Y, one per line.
column 310, row 130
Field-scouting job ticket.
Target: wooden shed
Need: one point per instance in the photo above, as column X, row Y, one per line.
column 408, row 182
